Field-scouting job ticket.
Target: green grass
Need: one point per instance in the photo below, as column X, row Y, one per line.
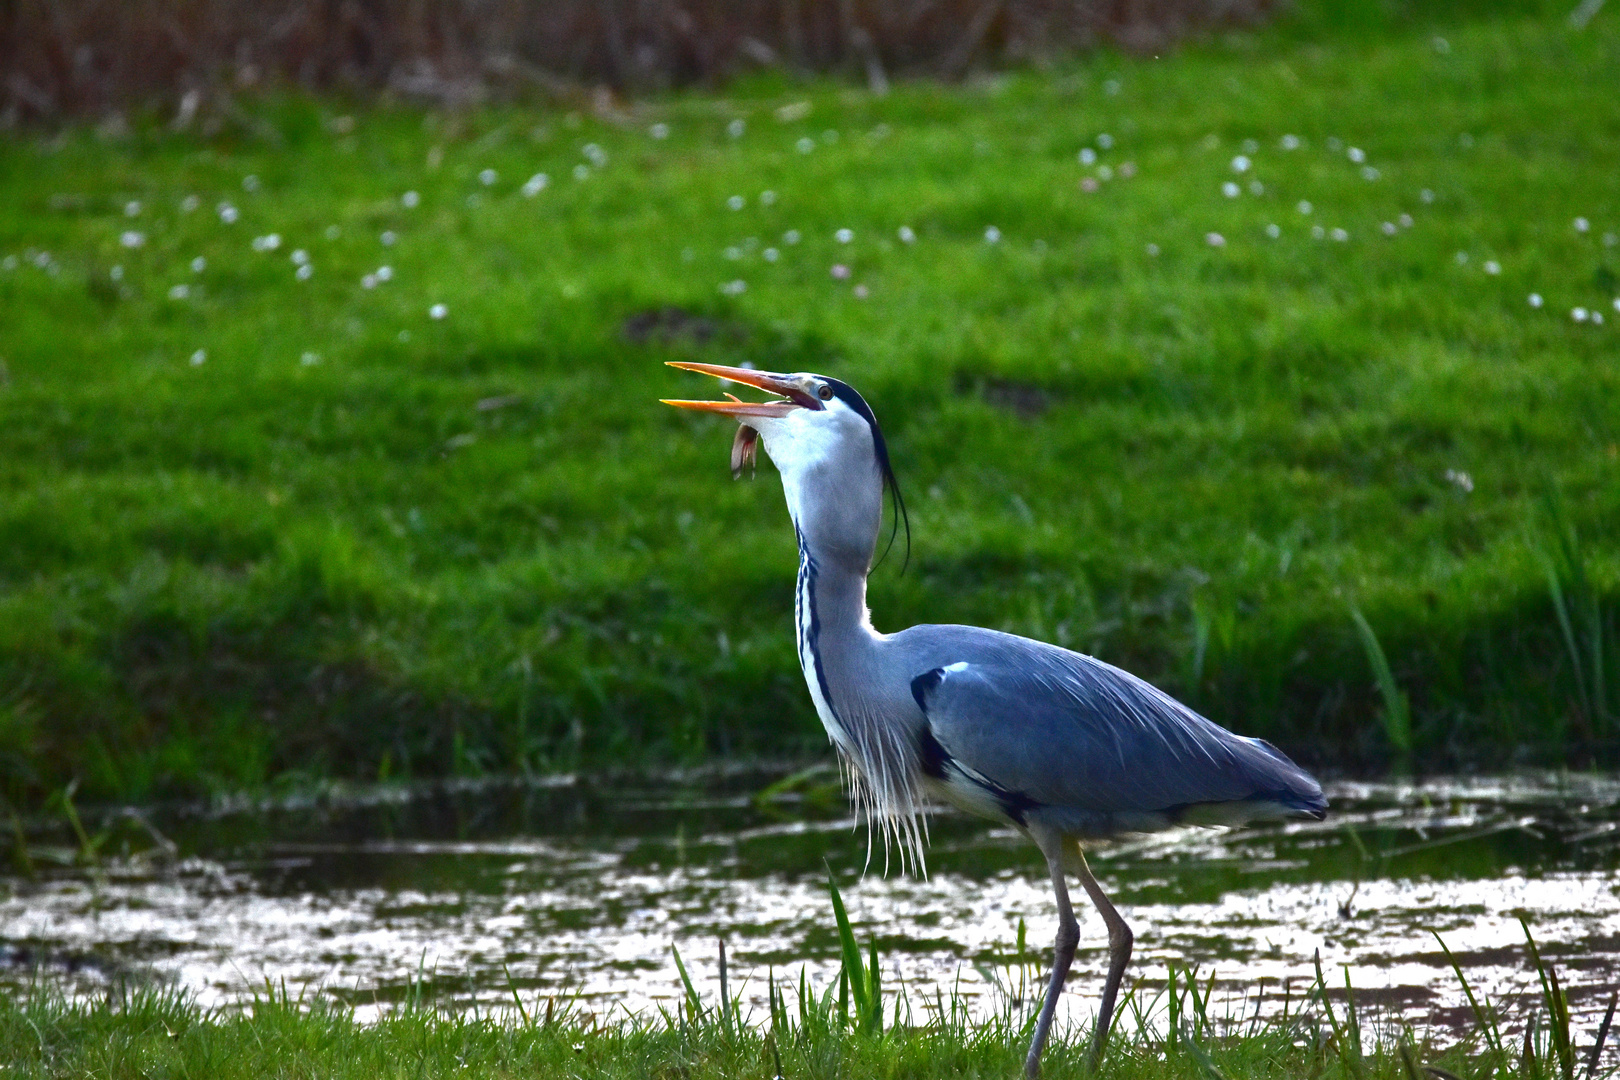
column 477, row 543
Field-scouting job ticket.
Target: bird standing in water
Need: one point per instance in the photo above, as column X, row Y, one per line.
column 1059, row 745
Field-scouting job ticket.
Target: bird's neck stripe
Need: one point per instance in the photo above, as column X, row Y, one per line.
column 807, row 623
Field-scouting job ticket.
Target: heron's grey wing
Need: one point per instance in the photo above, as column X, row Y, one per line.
column 1090, row 746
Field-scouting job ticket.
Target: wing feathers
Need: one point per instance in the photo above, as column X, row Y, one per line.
column 1084, row 738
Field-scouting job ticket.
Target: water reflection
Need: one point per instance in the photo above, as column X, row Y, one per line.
column 579, row 886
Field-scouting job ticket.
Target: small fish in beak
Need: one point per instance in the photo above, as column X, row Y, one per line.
column 744, row 449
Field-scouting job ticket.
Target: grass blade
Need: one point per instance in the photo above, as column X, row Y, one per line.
column 694, row 1004
column 859, row 982
column 1487, row 1025
column 1397, row 710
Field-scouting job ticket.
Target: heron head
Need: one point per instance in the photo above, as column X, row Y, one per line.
column 822, row 437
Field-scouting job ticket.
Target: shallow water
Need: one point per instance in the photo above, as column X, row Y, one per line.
column 575, row 886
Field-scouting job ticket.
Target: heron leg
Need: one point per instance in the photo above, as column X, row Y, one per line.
column 1120, row 939
column 1068, row 936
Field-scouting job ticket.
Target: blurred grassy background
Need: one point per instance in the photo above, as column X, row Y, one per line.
column 258, row 526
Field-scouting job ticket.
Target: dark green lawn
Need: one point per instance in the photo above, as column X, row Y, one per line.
column 253, row 525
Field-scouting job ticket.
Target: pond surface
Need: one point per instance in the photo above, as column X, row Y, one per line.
column 579, row 887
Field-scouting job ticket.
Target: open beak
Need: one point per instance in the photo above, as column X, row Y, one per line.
column 792, row 394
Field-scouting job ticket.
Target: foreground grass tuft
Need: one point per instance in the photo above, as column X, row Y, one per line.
column 328, row 444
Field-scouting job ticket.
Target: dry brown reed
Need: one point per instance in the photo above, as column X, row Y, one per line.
column 62, row 58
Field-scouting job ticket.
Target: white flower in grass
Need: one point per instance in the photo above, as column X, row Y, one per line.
column 595, row 155
column 1535, row 300
column 198, row 265
column 368, row 281
column 805, row 145
column 227, row 213
column 1152, row 249
column 199, row 358
column 1274, row 230
column 132, row 239
column 992, row 235
column 1404, row 221
column 1317, row 232
column 487, row 177
column 1460, row 479
column 310, row 359
column 1356, row 155
column 767, row 198
column 1340, row 235
column 1087, row 156
column 1388, row 228
column 1462, row 258
column 385, row 273
column 389, row 238
column 844, row 236
column 1427, row 195
column 1241, row 163
column 840, row 272
column 410, row 200
column 1493, row 267
column 1289, row 142
column 1214, row 239
column 734, row 288
column 791, row 236
column 737, row 128
column 179, row 292
column 535, row 184
column 438, row 311
column 1617, row 303
column 299, row 257
column 906, row 235
column 132, row 208
column 770, row 255
column 1597, row 317
column 1611, row 239
column 116, row 273
column 736, row 202
column 861, row 292
column 189, row 204
column 1579, row 314
column 1105, row 140
column 1370, row 173
column 305, row 272
column 1231, row 190
column 659, row 131
column 1582, row 225
column 1304, row 206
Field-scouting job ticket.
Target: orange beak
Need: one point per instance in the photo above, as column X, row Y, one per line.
column 784, row 385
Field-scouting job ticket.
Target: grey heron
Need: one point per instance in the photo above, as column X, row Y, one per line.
column 1062, row 746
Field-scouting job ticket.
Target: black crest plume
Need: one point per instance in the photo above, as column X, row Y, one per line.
column 847, row 394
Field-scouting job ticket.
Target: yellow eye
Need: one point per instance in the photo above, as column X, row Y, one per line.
column 825, row 393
